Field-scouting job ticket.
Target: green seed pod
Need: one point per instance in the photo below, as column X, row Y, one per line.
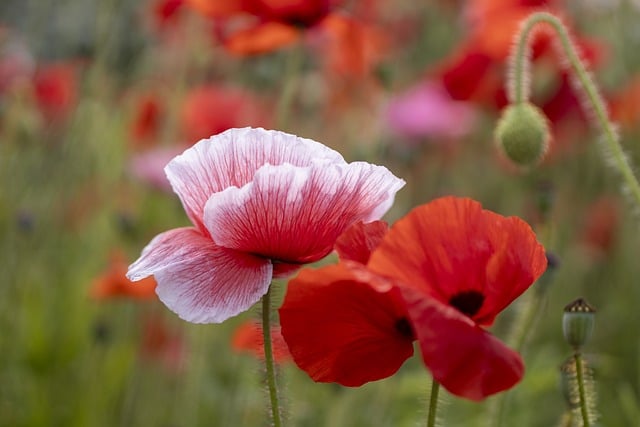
column 577, row 323
column 523, row 134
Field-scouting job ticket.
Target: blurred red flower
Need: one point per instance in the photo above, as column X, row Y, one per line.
column 163, row 344
column 56, row 91
column 248, row 338
column 600, row 227
column 209, row 110
column 476, row 70
column 440, row 275
column 625, row 104
column 113, row 282
column 147, row 120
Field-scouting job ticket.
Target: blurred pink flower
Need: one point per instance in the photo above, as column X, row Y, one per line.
column 262, row 204
column 16, row 61
column 148, row 166
column 427, row 111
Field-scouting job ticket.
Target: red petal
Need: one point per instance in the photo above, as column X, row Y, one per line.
column 452, row 245
column 463, row 75
column 200, row 281
column 262, row 38
column 341, row 325
column 359, row 240
column 295, row 214
column 216, row 8
column 467, row 360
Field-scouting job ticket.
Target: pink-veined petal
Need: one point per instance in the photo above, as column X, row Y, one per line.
column 467, row 360
column 200, row 281
column 294, row 214
column 232, row 158
column 359, row 240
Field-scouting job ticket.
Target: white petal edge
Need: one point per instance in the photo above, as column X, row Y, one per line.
column 231, row 158
column 199, row 281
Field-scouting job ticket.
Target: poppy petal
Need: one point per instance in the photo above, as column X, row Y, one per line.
column 341, row 326
column 357, row 242
column 437, row 247
column 518, row 261
column 451, row 246
column 200, row 281
column 262, row 38
column 467, row 360
column 295, row 214
column 231, row 159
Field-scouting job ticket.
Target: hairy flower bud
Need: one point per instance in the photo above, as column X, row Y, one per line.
column 522, row 134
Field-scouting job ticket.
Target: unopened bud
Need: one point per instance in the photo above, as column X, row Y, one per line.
column 577, row 322
column 523, row 134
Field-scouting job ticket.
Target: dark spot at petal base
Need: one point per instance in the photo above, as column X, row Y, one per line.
column 467, row 302
column 404, row 328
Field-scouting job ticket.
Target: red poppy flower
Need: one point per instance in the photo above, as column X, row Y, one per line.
column 262, row 203
column 113, row 283
column 248, row 337
column 439, row 275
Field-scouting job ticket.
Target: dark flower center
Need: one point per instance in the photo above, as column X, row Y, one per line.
column 467, row 302
column 404, row 328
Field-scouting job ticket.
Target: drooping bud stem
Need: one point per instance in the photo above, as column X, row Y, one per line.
column 518, row 90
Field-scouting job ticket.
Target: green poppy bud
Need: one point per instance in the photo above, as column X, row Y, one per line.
column 577, row 323
column 523, row 134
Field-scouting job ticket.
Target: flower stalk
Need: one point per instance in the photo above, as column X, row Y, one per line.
column 433, row 403
column 584, row 410
column 268, row 360
column 518, row 90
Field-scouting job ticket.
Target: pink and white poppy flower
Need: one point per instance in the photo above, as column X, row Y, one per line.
column 262, row 203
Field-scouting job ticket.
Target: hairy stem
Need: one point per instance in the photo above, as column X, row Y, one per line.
column 433, row 403
column 519, row 89
column 584, row 409
column 268, row 360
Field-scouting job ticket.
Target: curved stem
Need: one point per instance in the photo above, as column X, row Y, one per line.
column 433, row 403
column 581, row 390
column 518, row 89
column 268, row 359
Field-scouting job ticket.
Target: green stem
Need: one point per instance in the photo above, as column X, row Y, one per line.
column 268, row 359
column 519, row 89
column 433, row 403
column 581, row 390
column 292, row 69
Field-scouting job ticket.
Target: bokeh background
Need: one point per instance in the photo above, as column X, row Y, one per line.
column 97, row 95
